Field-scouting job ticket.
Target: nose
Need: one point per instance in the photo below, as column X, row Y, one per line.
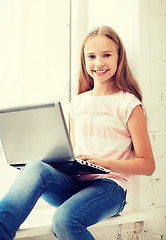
column 99, row 63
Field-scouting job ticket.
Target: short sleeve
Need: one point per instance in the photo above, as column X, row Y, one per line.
column 71, row 109
column 73, row 106
column 131, row 104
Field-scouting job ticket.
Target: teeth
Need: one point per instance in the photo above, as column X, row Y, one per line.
column 101, row 71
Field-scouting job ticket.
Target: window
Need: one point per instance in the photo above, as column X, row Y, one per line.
column 34, row 50
column 34, row 54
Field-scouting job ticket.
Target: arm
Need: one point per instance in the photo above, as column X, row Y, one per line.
column 144, row 163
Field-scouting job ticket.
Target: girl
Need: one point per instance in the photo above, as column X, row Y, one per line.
column 108, row 128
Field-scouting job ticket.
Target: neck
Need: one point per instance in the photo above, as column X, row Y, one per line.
column 104, row 89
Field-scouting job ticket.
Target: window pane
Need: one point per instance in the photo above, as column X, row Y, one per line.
column 34, row 51
column 34, row 58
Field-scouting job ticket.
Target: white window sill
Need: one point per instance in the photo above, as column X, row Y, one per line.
column 39, row 221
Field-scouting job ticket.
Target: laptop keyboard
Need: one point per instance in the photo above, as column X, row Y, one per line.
column 82, row 162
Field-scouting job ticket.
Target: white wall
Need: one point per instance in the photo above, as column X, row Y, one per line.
column 153, row 76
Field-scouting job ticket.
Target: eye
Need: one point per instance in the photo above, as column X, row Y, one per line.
column 91, row 56
column 107, row 55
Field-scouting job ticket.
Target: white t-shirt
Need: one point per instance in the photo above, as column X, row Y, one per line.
column 100, row 128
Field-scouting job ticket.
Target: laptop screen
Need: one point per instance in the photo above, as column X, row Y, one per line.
column 35, row 133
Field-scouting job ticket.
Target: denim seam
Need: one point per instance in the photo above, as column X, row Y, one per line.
column 57, row 182
column 89, row 203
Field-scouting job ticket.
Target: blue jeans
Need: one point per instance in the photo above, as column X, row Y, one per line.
column 79, row 204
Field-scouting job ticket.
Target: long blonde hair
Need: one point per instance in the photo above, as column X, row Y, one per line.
column 124, row 79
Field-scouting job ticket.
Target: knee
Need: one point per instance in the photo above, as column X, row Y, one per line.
column 34, row 165
column 60, row 220
column 33, row 170
column 65, row 222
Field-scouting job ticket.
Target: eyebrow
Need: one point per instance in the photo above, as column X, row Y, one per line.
column 91, row 53
column 107, row 51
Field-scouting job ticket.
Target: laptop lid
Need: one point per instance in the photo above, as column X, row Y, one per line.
column 36, row 132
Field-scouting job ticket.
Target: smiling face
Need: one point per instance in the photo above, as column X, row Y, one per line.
column 101, row 58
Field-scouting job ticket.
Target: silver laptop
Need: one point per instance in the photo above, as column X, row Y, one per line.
column 39, row 132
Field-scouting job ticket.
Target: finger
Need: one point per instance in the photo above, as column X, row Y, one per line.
column 91, row 161
column 84, row 157
column 78, row 156
column 81, row 157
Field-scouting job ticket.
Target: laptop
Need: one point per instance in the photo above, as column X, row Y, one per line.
column 39, row 132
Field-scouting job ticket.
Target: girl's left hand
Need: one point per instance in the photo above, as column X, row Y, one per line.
column 97, row 161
